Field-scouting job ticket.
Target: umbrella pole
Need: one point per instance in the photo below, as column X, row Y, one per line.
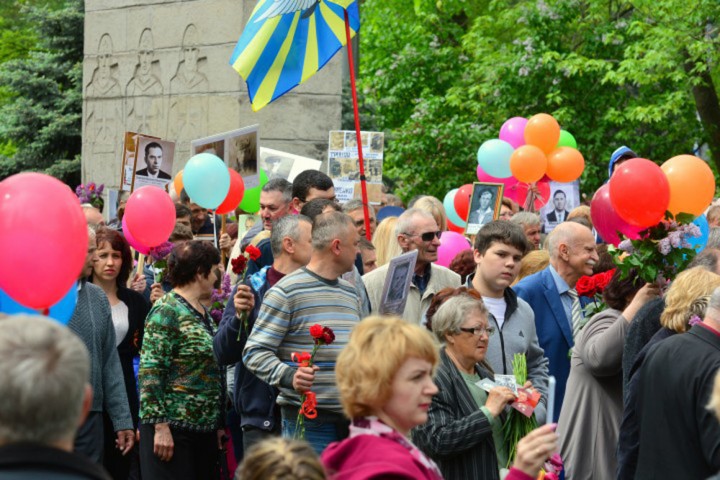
column 363, row 186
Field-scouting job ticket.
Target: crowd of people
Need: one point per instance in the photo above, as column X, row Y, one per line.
column 145, row 383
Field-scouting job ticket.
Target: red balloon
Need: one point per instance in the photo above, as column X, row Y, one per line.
column 235, row 194
column 542, row 196
column 606, row 220
column 43, row 239
column 150, row 214
column 139, row 247
column 640, row 192
column 454, row 228
column 462, row 200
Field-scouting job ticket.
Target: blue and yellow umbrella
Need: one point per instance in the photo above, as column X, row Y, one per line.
column 286, row 41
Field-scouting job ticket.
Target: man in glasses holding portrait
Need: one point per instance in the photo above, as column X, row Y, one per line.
column 415, row 230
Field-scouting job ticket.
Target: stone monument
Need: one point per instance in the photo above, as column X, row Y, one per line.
column 161, row 68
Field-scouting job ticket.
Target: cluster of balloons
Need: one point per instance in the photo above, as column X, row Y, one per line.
column 212, row 185
column 44, row 240
column 527, row 154
column 640, row 192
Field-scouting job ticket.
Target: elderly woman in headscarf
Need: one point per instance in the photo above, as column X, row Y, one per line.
column 463, row 433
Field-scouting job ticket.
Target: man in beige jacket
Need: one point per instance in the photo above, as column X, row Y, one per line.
column 415, row 230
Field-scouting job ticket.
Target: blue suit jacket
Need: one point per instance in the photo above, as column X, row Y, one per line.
column 553, row 327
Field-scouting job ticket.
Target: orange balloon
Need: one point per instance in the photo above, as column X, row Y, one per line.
column 528, row 163
column 692, row 184
column 178, row 183
column 543, row 131
column 565, row 164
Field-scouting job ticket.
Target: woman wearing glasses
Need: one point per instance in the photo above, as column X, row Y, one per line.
column 463, row 434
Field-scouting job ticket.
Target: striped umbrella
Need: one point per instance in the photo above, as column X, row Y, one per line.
column 286, row 41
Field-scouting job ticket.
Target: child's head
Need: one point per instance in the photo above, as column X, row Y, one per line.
column 279, row 459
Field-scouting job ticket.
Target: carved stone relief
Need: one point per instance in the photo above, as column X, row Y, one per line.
column 144, row 91
column 104, row 106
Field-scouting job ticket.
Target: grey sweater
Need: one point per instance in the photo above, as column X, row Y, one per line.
column 92, row 322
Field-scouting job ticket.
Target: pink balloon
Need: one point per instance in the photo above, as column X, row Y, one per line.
column 513, row 131
column 451, row 244
column 508, row 183
column 150, row 214
column 606, row 220
column 131, row 240
column 43, row 239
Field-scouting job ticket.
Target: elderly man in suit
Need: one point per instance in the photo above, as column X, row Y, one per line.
column 551, row 294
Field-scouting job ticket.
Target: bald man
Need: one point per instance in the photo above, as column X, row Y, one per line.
column 551, row 294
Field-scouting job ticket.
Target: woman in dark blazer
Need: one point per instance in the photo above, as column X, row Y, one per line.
column 463, row 434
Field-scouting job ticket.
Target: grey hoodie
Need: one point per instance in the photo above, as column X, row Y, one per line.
column 518, row 335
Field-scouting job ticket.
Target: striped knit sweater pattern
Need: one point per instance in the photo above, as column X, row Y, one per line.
column 298, row 301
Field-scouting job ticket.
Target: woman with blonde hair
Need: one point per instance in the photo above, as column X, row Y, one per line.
column 385, row 241
column 533, row 262
column 685, row 303
column 280, row 459
column 435, row 208
column 384, row 376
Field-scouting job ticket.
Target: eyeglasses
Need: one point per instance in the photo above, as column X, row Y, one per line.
column 427, row 236
column 478, row 331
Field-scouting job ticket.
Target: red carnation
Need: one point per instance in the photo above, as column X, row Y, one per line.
column 253, row 252
column 239, row 264
column 316, row 331
column 328, row 335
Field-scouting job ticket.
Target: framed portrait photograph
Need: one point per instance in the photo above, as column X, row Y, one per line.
column 564, row 197
column 153, row 163
column 397, row 284
column 484, row 205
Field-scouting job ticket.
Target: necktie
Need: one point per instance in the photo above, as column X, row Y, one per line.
column 576, row 312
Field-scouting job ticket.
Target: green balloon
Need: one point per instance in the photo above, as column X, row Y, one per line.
column 566, row 140
column 251, row 198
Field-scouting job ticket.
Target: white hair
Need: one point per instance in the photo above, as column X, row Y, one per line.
column 44, row 368
column 329, row 226
column 406, row 221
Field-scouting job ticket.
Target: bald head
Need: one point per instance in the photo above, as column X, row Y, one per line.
column 573, row 251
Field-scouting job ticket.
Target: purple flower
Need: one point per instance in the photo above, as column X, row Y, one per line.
column 693, row 230
column 694, row 320
column 626, row 245
column 664, row 246
column 161, row 251
column 216, row 314
column 675, row 238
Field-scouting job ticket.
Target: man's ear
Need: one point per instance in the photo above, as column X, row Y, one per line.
column 335, row 246
column 297, row 204
column 403, row 242
column 288, row 245
column 477, row 256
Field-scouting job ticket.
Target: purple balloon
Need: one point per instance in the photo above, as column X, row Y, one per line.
column 606, row 220
column 513, row 131
column 133, row 243
column 451, row 243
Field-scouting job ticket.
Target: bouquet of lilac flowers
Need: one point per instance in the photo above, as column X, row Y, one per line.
column 159, row 255
column 661, row 252
column 91, row 194
column 219, row 298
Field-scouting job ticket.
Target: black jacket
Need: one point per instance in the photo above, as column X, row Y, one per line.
column 131, row 345
column 254, row 399
column 33, row 461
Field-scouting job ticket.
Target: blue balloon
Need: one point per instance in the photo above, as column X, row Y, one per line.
column 206, row 180
column 698, row 243
column 494, row 158
column 61, row 311
column 449, row 204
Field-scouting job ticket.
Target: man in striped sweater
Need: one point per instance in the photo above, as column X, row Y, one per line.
column 310, row 295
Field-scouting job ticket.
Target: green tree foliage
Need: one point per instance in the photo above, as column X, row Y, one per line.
column 40, row 117
column 440, row 77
